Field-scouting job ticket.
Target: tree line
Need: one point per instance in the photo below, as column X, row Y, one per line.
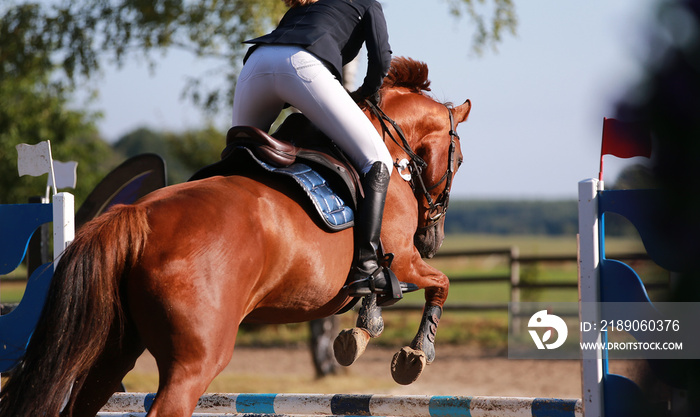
column 183, row 152
column 186, row 152
column 530, row 217
column 512, row 217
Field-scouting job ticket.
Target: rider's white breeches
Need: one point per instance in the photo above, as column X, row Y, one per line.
column 279, row 74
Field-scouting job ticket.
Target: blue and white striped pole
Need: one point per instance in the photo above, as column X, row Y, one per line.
column 359, row 405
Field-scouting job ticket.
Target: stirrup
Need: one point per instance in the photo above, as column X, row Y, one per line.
column 386, row 296
column 368, row 285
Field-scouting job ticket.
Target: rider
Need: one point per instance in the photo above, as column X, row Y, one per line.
column 300, row 63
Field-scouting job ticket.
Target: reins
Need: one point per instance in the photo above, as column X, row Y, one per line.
column 416, row 164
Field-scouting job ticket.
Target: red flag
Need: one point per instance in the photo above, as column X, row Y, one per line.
column 624, row 140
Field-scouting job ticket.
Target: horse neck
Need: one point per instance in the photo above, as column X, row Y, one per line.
column 412, row 112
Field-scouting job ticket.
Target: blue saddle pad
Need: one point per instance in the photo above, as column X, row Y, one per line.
column 336, row 215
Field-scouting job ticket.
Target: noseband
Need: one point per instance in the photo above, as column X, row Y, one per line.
column 416, row 164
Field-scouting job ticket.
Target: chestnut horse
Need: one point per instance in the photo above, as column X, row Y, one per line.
column 177, row 272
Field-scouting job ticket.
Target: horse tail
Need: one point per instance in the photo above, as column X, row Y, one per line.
column 82, row 306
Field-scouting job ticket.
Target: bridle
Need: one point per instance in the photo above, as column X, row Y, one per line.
column 436, row 207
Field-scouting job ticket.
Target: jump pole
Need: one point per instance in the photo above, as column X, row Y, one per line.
column 127, row 404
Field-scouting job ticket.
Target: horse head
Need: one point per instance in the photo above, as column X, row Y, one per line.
column 422, row 132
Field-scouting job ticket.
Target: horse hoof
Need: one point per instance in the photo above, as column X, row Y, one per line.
column 349, row 345
column 407, row 365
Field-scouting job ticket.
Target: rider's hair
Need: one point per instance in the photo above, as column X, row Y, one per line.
column 295, row 3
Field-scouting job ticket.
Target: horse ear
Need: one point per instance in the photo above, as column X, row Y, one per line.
column 461, row 112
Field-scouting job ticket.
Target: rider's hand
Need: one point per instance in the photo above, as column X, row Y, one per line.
column 359, row 98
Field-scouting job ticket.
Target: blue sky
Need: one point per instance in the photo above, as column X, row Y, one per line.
column 538, row 102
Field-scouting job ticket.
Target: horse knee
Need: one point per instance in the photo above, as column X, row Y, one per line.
column 436, row 294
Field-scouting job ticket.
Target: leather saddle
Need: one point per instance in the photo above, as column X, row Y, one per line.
column 296, row 141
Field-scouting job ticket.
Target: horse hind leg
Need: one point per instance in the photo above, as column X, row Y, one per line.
column 116, row 360
column 351, row 343
column 185, row 374
column 192, row 341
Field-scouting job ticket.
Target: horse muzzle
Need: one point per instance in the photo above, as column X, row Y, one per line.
column 428, row 240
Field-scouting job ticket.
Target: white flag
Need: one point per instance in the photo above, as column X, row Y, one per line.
column 66, row 176
column 34, row 160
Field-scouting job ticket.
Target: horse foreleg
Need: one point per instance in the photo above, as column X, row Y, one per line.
column 351, row 343
column 408, row 364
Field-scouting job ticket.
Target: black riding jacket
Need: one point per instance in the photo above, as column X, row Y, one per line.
column 334, row 31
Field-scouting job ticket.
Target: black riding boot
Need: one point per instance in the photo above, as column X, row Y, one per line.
column 367, row 276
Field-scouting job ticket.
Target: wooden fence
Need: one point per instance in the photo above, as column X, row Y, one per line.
column 511, row 257
column 515, row 261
